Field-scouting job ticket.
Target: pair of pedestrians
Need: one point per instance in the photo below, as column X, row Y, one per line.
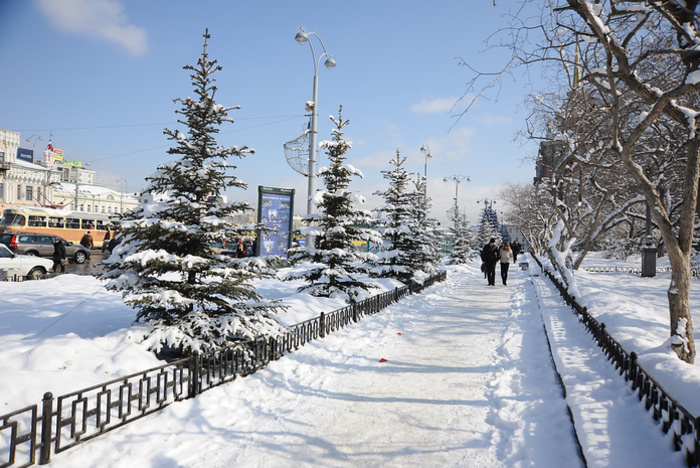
column 491, row 254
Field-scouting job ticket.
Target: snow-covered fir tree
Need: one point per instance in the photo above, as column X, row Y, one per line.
column 334, row 267
column 425, row 241
column 394, row 260
column 463, row 239
column 166, row 266
column 488, row 225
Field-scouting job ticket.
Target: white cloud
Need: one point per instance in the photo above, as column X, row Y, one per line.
column 434, row 106
column 100, row 19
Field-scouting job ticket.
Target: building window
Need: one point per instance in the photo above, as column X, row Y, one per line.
column 2, row 157
column 2, row 191
column 19, row 192
column 30, row 192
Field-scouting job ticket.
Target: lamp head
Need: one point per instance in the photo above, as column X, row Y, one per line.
column 301, row 36
column 330, row 63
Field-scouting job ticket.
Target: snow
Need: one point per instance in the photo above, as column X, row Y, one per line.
column 458, row 375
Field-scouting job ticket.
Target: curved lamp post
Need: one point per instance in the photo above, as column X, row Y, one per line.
column 426, row 151
column 35, row 137
column 122, row 184
column 457, row 179
column 302, row 37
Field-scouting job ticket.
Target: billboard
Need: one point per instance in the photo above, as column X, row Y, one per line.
column 24, row 154
column 276, row 213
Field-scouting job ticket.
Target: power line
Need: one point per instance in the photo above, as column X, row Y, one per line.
column 102, row 127
column 222, row 133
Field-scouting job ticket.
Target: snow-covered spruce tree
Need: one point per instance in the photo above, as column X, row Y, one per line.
column 396, row 261
column 463, row 239
column 488, row 226
column 424, row 240
column 165, row 265
column 333, row 266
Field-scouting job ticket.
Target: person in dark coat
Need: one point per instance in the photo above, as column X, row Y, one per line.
column 515, row 247
column 59, row 256
column 489, row 255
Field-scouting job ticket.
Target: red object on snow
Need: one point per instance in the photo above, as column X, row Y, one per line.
column 399, row 333
column 382, row 360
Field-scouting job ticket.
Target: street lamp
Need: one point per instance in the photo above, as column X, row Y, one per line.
column 648, row 250
column 426, row 151
column 35, row 137
column 457, row 179
column 302, row 37
column 123, row 183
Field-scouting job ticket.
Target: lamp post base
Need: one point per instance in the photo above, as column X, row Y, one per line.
column 648, row 262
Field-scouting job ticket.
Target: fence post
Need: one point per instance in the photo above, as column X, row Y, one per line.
column 46, row 418
column 354, row 311
column 322, row 325
column 195, row 374
column 632, row 371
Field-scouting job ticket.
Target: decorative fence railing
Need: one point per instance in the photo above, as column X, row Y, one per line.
column 57, row 424
column 664, row 408
column 694, row 272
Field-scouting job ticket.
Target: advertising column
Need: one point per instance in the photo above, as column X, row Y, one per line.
column 276, row 213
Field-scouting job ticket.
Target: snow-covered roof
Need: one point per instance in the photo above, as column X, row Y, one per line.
column 28, row 165
column 96, row 190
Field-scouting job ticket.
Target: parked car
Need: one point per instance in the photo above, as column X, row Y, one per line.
column 41, row 245
column 31, row 267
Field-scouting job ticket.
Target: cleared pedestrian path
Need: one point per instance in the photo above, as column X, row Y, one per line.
column 458, row 376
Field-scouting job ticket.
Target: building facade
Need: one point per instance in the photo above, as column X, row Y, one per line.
column 23, row 183
column 55, row 182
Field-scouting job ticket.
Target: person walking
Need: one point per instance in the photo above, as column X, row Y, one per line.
column 87, row 241
column 515, row 247
column 504, row 255
column 59, row 256
column 489, row 255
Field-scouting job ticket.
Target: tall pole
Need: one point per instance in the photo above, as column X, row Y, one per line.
column 35, row 137
column 457, row 179
column 312, row 147
column 426, row 152
column 301, row 37
column 122, row 183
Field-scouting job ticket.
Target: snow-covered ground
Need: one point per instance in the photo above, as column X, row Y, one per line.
column 467, row 379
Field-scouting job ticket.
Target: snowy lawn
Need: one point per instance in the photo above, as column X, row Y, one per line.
column 635, row 312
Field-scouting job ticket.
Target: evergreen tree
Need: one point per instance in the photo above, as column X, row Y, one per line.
column 488, row 225
column 424, row 240
column 395, row 260
column 332, row 267
column 165, row 265
column 463, row 239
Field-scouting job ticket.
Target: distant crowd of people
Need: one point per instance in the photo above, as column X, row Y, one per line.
column 492, row 254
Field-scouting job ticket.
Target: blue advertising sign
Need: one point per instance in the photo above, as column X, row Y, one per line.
column 276, row 213
column 24, row 154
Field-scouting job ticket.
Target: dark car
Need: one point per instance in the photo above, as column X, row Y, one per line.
column 41, row 245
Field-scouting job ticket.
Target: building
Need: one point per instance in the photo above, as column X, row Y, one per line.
column 23, row 183
column 93, row 198
column 56, row 181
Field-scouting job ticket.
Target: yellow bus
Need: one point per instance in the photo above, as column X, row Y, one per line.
column 70, row 225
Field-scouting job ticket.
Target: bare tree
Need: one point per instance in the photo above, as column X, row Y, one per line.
column 642, row 59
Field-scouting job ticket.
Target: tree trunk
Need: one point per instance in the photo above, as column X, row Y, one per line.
column 683, row 342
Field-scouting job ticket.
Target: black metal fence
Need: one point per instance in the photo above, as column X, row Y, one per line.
column 58, row 424
column 694, row 272
column 663, row 407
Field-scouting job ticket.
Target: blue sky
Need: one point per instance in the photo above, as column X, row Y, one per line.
column 99, row 77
